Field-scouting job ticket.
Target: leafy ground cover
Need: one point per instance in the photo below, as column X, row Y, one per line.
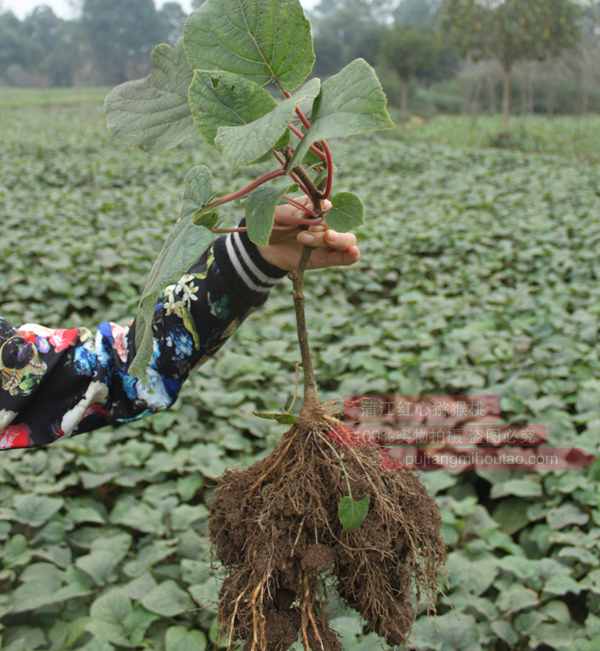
column 25, row 97
column 481, row 274
column 573, row 136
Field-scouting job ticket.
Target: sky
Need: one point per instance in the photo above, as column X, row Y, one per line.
column 62, row 8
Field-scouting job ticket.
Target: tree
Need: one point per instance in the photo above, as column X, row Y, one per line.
column 53, row 45
column 418, row 13
column 171, row 17
column 15, row 49
column 120, row 37
column 511, row 31
column 347, row 29
column 413, row 53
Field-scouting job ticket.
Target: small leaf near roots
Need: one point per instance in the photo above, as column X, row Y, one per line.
column 262, row 40
column 350, row 103
column 352, row 513
column 283, row 418
column 347, row 213
column 153, row 113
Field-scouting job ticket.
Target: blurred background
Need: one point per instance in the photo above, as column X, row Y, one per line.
column 479, row 275
column 434, row 56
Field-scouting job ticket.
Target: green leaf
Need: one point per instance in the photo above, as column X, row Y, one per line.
column 138, row 588
column 185, row 515
column 347, row 213
column 189, row 485
column 262, row 40
column 100, row 565
column 350, row 103
column 352, row 513
column 518, row 488
column 26, row 638
column 179, row 638
column 260, row 210
column 206, row 594
column 136, row 514
column 215, row 635
column 283, row 418
column 516, row 598
column 511, row 514
column 470, row 575
column 222, row 99
column 43, row 586
column 115, row 620
column 106, row 554
column 153, row 113
column 454, row 630
column 184, row 245
column 244, row 144
column 167, row 600
column 567, row 514
column 40, row 582
column 561, row 584
column 16, row 552
column 196, row 195
column 36, row 510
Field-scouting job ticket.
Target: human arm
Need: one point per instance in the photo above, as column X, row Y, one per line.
column 61, row 383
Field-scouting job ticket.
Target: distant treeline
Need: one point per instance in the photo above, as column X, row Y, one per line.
column 432, row 55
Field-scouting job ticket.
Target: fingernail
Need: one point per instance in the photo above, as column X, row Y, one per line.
column 331, row 235
column 306, row 238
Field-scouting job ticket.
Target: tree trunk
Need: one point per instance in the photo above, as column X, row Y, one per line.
column 491, row 88
column 584, row 88
column 551, row 100
column 527, row 99
column 506, row 96
column 404, row 97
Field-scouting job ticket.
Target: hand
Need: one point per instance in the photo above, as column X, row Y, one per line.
column 332, row 249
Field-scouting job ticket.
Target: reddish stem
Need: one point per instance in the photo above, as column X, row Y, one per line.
column 241, row 229
column 244, row 229
column 305, row 121
column 261, row 180
column 283, row 162
column 300, row 136
column 324, row 155
column 299, row 112
column 330, row 169
column 305, row 209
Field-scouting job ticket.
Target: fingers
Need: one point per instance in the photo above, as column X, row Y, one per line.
column 289, row 215
column 323, row 258
column 327, row 238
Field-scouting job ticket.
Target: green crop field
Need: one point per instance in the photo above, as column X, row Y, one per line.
column 480, row 273
column 575, row 137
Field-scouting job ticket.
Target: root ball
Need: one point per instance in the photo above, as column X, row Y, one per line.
column 275, row 527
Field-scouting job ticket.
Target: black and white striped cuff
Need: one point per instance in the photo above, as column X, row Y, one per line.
column 257, row 274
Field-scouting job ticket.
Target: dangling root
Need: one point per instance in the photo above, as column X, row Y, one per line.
column 275, row 527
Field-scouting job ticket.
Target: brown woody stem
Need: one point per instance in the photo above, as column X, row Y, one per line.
column 310, row 188
column 311, row 396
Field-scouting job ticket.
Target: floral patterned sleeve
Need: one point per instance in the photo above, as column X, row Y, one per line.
column 60, row 383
